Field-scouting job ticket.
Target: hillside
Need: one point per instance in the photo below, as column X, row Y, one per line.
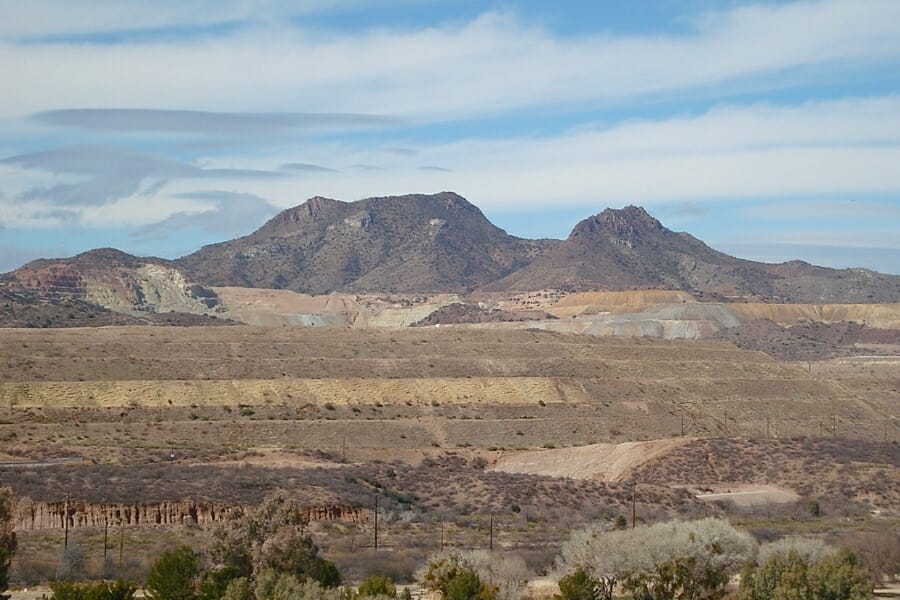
column 402, row 249
column 629, row 249
column 414, row 243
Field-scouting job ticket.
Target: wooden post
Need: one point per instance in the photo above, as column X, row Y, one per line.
column 834, row 426
column 442, row 533
column 767, row 425
column 344, row 449
column 491, row 538
column 376, row 519
column 682, row 424
column 633, row 505
column 105, row 535
column 121, row 542
column 66, row 523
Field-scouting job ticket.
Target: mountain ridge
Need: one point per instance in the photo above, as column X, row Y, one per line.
column 442, row 243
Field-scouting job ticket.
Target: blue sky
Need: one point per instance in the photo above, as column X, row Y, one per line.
column 771, row 130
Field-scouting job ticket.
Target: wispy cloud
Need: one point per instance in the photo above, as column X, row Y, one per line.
column 206, row 123
column 105, row 174
column 826, row 209
column 231, row 214
column 493, row 63
column 842, row 148
column 305, row 168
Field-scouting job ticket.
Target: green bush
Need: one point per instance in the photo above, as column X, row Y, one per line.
column 104, row 590
column 174, row 576
column 578, row 586
column 376, row 585
column 7, row 539
column 836, row 576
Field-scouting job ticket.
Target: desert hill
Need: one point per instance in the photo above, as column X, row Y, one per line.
column 402, row 251
column 629, row 249
column 415, row 243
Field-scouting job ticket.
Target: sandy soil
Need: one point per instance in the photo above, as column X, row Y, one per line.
column 749, row 495
column 605, row 462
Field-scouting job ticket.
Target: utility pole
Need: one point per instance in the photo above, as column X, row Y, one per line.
column 767, row 425
column 344, row 449
column 442, row 533
column 834, row 426
column 376, row 519
column 105, row 535
column 66, row 522
column 820, row 427
column 726, row 422
column 491, row 538
column 682, row 424
column 121, row 541
column 633, row 505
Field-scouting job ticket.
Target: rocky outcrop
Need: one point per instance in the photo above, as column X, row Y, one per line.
column 36, row 516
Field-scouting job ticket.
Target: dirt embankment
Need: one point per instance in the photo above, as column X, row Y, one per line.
column 40, row 516
column 603, row 462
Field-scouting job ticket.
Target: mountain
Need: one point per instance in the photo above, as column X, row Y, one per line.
column 108, row 278
column 629, row 249
column 412, row 244
column 430, row 243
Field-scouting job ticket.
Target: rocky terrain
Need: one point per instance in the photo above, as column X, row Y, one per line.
column 413, row 244
column 419, row 246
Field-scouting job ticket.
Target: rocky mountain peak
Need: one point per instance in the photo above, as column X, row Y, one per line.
column 630, row 222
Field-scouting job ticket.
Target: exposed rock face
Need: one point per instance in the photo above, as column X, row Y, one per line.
column 415, row 243
column 36, row 516
column 115, row 281
column 627, row 249
column 440, row 243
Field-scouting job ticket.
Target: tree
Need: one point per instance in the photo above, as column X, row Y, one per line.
column 103, row 590
column 274, row 586
column 791, row 575
column 686, row 560
column 273, row 536
column 841, row 576
column 174, row 575
column 8, row 541
column 578, row 586
column 376, row 585
column 453, row 575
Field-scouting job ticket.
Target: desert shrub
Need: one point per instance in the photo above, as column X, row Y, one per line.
column 879, row 551
column 454, row 577
column 7, row 538
column 791, row 576
column 399, row 566
column 103, row 590
column 578, row 586
column 810, row 550
column 238, row 589
column 273, row 536
column 71, row 563
column 174, row 575
column 376, row 585
column 274, row 586
column 216, row 582
column 692, row 559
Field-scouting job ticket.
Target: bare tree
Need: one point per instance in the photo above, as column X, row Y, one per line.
column 688, row 560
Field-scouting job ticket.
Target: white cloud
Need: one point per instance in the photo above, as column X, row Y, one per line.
column 844, row 147
column 63, row 17
column 486, row 66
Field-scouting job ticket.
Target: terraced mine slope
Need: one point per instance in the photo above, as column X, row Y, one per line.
column 174, row 426
column 209, row 391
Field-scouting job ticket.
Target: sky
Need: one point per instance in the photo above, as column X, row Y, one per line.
column 770, row 130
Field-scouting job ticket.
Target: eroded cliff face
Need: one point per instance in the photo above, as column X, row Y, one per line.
column 36, row 516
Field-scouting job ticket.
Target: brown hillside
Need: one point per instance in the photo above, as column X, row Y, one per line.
column 415, row 243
